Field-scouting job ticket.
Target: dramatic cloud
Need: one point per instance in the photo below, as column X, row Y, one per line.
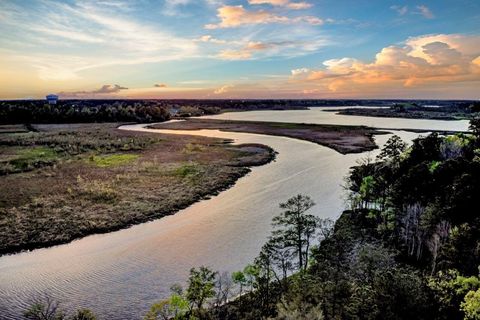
column 421, row 61
column 160, row 85
column 235, row 16
column 106, row 89
column 283, row 3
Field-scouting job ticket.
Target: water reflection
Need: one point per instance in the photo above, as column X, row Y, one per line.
column 320, row 116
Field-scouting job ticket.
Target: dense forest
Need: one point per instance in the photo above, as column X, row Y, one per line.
column 78, row 111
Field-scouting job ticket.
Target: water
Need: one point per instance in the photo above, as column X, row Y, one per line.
column 120, row 274
column 319, row 116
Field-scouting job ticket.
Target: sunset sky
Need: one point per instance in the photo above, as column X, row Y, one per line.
column 240, row 49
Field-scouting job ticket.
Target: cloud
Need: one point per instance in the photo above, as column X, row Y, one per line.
column 421, row 61
column 106, row 89
column 242, row 54
column 283, row 3
column 247, row 51
column 160, row 85
column 223, row 89
column 259, row 49
column 425, row 11
column 296, row 72
column 209, row 38
column 235, row 16
column 401, row 10
column 87, row 35
column 171, row 7
column 476, row 61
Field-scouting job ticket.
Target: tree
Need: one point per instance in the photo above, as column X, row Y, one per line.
column 223, row 287
column 201, row 286
column 174, row 307
column 296, row 228
column 279, row 254
column 471, row 305
column 83, row 314
column 238, row 278
column 475, row 126
column 456, row 294
column 393, row 149
column 48, row 309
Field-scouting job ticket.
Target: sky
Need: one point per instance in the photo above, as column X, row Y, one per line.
column 240, row 49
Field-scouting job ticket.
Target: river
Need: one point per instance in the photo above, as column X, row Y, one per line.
column 120, row 274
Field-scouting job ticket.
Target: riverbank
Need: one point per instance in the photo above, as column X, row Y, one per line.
column 344, row 139
column 430, row 113
column 68, row 181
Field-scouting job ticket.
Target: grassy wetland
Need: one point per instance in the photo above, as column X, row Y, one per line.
column 62, row 182
column 344, row 139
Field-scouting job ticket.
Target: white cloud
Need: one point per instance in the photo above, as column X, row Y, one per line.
column 439, row 59
column 425, row 12
column 283, row 3
column 209, row 38
column 89, row 35
column 223, row 89
column 236, row 16
column 296, row 72
column 401, row 10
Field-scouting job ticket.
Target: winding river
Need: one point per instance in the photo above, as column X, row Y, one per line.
column 120, row 274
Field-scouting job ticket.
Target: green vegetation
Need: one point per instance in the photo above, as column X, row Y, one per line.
column 113, row 160
column 25, row 159
column 187, row 170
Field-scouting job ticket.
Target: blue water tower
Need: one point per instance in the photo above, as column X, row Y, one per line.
column 52, row 98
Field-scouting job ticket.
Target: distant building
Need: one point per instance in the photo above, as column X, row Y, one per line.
column 52, row 98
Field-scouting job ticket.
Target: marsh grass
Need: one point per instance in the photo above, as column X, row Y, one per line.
column 188, row 170
column 95, row 190
column 113, row 160
column 192, row 148
column 106, row 188
column 26, row 159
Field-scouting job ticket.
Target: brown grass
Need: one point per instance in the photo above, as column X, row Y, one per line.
column 76, row 196
column 344, row 139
